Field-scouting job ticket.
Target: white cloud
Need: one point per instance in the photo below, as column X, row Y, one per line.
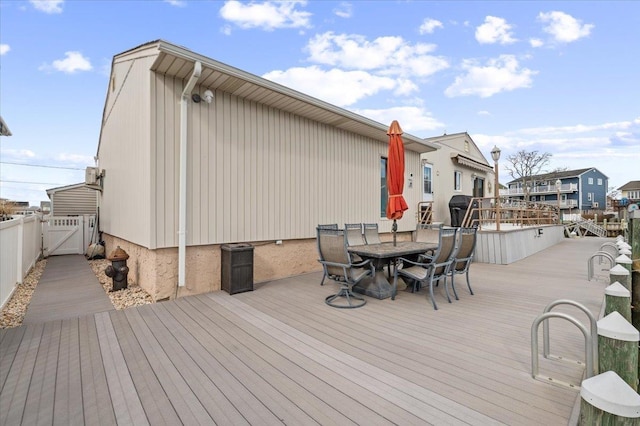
column 267, row 15
column 48, row 6
column 226, row 30
column 564, row 28
column 429, row 26
column 335, row 86
column 17, row 154
column 4, row 49
column 536, row 42
column 389, row 55
column 580, row 128
column 75, row 158
column 72, row 63
column 344, row 10
column 177, row 3
column 412, row 119
column 484, row 113
column 494, row 30
column 498, row 75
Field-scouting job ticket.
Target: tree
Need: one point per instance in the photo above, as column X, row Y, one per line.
column 524, row 165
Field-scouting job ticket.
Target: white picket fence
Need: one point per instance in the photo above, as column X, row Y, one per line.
column 20, row 249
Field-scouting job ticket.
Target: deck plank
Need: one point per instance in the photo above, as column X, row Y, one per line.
column 68, row 388
column 222, row 341
column 96, row 399
column 156, row 402
column 126, row 403
column 207, row 363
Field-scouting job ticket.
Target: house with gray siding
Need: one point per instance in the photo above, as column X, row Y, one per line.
column 194, row 154
column 73, row 200
column 581, row 189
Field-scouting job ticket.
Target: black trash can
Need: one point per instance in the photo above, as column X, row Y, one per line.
column 237, row 268
column 458, row 206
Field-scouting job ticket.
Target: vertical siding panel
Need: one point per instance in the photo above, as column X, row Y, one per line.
column 253, row 203
column 205, row 143
column 153, row 163
column 161, row 160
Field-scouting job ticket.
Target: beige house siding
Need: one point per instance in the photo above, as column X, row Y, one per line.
column 445, row 164
column 256, row 173
column 124, row 152
column 73, row 200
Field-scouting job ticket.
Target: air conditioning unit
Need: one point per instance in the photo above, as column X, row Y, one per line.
column 595, row 205
column 91, row 175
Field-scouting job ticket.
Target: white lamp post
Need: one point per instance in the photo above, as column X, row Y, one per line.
column 558, row 185
column 495, row 154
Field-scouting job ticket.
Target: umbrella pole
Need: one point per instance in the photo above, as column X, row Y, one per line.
column 394, row 229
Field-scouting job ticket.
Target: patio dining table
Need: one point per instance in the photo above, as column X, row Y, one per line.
column 379, row 286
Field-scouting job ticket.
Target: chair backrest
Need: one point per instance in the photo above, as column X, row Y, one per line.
column 467, row 244
column 354, row 234
column 332, row 248
column 428, row 233
column 446, row 249
column 328, row 226
column 371, row 235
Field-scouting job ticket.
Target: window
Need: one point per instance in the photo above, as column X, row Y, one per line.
column 426, row 183
column 384, row 194
column 457, row 181
column 590, row 181
column 600, row 181
column 634, row 195
column 466, row 146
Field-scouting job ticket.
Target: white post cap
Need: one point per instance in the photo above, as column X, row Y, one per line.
column 611, row 394
column 622, row 244
column 624, row 259
column 618, row 290
column 619, row 270
column 614, row 326
column 625, row 251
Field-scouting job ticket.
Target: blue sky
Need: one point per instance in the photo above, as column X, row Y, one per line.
column 557, row 77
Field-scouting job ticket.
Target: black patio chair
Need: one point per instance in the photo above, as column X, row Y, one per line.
column 429, row 269
column 326, row 226
column 337, row 265
column 463, row 257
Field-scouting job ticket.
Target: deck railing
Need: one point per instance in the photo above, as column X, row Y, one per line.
column 483, row 213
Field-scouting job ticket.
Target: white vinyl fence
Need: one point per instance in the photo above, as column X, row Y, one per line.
column 20, row 248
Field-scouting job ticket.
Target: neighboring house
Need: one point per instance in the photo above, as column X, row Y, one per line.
column 73, row 200
column 457, row 168
column 194, row 154
column 631, row 191
column 582, row 189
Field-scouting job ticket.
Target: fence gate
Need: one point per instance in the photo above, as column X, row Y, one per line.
column 67, row 234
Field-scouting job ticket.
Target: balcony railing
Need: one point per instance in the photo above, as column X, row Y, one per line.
column 540, row 189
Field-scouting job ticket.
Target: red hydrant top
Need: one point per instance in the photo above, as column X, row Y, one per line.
column 118, row 254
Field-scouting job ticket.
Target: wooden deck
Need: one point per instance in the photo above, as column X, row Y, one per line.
column 280, row 355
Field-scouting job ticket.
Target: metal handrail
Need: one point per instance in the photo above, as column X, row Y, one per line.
column 518, row 212
column 599, row 254
column 593, row 328
column 588, row 347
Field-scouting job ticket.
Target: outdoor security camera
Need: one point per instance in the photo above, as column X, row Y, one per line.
column 208, row 96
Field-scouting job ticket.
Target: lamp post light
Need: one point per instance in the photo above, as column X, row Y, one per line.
column 558, row 185
column 495, row 154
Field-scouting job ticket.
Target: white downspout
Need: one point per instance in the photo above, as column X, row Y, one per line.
column 182, row 207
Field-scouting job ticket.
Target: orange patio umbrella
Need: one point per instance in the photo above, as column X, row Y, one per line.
column 396, row 205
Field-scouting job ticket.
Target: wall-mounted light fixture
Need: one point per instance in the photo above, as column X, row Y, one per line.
column 410, row 180
column 208, row 97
